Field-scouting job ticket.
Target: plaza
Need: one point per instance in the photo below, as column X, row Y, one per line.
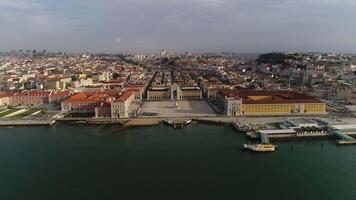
column 183, row 108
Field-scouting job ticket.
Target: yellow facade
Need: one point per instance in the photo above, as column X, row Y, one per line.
column 211, row 93
column 291, row 108
column 314, row 107
column 158, row 95
column 82, row 76
column 191, row 94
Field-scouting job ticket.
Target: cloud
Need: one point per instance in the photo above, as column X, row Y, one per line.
column 19, row 4
column 118, row 40
column 199, row 25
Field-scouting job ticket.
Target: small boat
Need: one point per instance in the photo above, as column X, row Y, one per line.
column 260, row 147
column 167, row 121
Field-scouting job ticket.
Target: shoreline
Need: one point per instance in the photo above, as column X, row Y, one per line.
column 146, row 121
column 152, row 121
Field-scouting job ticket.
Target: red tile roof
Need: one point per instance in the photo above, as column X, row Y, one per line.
column 4, row 94
column 60, row 94
column 135, row 86
column 280, row 97
column 90, row 97
column 33, row 93
column 125, row 96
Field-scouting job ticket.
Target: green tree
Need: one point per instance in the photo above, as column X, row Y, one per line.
column 74, row 78
column 44, row 111
column 115, row 75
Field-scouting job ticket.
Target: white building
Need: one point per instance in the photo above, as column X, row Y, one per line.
column 232, row 104
column 120, row 107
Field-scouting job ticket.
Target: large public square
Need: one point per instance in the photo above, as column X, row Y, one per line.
column 181, row 108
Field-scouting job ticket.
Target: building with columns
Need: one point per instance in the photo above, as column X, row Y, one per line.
column 120, row 108
column 158, row 93
column 269, row 103
column 174, row 92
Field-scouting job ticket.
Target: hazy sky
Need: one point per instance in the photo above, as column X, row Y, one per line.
column 181, row 25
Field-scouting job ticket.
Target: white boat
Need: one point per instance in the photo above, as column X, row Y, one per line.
column 167, row 121
column 260, row 147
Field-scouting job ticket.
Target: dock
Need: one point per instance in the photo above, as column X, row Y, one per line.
column 264, row 138
column 344, row 139
column 237, row 126
column 178, row 123
column 265, row 145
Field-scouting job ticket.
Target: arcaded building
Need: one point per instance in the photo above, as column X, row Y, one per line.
column 269, row 103
column 120, row 107
column 174, row 92
column 159, row 94
column 190, row 93
column 230, row 101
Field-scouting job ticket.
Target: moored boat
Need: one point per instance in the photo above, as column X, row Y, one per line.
column 260, row 147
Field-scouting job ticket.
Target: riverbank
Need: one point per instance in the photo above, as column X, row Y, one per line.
column 237, row 123
column 146, row 121
column 4, row 123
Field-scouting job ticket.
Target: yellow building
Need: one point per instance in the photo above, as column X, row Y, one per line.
column 82, row 76
column 158, row 94
column 273, row 103
column 211, row 92
column 190, row 93
column 61, row 85
column 282, row 108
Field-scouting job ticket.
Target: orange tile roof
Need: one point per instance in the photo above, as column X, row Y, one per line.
column 133, row 89
column 135, row 86
column 90, row 97
column 125, row 96
column 60, row 94
column 4, row 94
column 280, row 97
column 33, row 93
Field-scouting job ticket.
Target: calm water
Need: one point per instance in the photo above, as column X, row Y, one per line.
column 200, row 162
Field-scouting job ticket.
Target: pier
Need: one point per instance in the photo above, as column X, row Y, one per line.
column 178, row 123
column 344, row 139
column 264, row 138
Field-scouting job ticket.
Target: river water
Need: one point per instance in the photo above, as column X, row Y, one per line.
column 158, row 162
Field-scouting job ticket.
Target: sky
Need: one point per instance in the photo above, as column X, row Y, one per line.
column 146, row 26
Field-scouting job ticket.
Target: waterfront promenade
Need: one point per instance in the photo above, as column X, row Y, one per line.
column 24, row 122
column 243, row 120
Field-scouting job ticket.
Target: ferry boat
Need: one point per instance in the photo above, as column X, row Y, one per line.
column 260, row 147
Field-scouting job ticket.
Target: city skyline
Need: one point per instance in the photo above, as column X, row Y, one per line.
column 197, row 25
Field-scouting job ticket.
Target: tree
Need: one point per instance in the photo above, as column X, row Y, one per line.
column 115, row 75
column 274, row 58
column 44, row 111
column 74, row 78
